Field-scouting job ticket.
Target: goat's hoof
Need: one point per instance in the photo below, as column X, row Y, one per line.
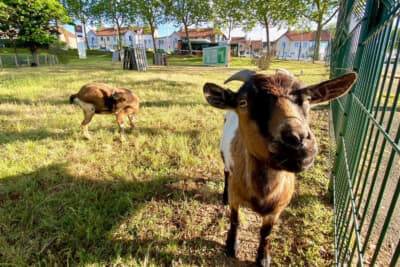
column 264, row 262
column 230, row 252
column 87, row 136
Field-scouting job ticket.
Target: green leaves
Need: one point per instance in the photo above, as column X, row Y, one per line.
column 34, row 20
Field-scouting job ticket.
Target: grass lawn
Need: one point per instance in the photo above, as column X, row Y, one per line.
column 154, row 200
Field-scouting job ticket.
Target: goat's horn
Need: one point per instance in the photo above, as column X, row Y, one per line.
column 243, row 76
column 113, row 92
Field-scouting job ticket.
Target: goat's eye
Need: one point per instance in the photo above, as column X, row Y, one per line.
column 243, row 103
column 308, row 98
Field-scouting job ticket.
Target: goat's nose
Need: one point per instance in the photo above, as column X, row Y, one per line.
column 294, row 139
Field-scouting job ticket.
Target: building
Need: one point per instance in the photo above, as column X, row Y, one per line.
column 68, row 37
column 246, row 48
column 196, row 35
column 297, row 45
column 107, row 38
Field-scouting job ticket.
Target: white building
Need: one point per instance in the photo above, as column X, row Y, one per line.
column 107, row 38
column 296, row 45
column 170, row 43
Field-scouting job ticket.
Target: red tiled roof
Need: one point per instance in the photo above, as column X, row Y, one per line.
column 255, row 44
column 236, row 40
column 198, row 33
column 109, row 31
column 307, row 36
column 114, row 31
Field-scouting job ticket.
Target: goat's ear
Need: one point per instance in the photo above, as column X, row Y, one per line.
column 219, row 97
column 331, row 89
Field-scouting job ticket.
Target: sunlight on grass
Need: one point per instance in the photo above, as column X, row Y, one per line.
column 156, row 197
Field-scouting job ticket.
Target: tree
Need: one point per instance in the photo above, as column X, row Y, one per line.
column 151, row 13
column 229, row 14
column 320, row 12
column 34, row 21
column 117, row 12
column 80, row 10
column 188, row 13
column 271, row 13
column 8, row 14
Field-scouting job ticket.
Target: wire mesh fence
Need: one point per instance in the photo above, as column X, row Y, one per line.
column 24, row 60
column 366, row 123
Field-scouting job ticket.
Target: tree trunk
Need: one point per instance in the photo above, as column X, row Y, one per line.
column 35, row 55
column 267, row 34
column 317, row 41
column 119, row 35
column 152, row 36
column 84, row 34
column 188, row 39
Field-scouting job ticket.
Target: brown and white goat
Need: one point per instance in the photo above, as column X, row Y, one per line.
column 100, row 98
column 266, row 140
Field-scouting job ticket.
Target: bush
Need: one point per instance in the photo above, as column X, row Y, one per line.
column 264, row 61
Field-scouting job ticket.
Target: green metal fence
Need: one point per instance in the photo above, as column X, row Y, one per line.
column 366, row 131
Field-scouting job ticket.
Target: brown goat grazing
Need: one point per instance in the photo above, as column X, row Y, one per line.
column 101, row 98
column 266, row 140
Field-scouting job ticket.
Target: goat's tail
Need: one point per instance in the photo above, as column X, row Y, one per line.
column 72, row 98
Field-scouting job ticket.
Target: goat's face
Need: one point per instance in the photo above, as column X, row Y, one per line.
column 273, row 115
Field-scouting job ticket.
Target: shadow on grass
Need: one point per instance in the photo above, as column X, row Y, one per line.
column 51, row 217
column 169, row 103
column 32, row 135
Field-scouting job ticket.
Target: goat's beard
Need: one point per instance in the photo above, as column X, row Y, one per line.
column 284, row 158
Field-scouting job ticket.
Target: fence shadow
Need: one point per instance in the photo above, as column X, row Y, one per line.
column 50, row 216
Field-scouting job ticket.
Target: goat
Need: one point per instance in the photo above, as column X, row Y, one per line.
column 266, row 141
column 101, row 98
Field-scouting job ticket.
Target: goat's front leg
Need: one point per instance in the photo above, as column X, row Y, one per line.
column 263, row 255
column 231, row 241
column 225, row 195
column 120, row 121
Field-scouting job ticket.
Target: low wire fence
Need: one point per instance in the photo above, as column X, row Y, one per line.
column 25, row 60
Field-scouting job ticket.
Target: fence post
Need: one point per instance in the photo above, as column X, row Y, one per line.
column 16, row 60
column 27, row 60
column 1, row 63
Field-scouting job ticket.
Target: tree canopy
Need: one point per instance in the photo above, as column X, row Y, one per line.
column 188, row 13
column 35, row 20
column 151, row 13
column 320, row 12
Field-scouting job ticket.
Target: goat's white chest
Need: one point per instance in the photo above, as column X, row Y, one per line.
column 230, row 127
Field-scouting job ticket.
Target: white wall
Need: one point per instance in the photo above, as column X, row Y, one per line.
column 92, row 40
column 168, row 43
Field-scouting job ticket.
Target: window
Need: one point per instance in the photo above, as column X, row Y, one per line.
column 283, row 44
column 305, row 44
column 108, row 38
column 130, row 38
column 291, row 54
column 101, row 38
column 115, row 38
column 296, row 44
column 312, row 44
column 285, row 54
